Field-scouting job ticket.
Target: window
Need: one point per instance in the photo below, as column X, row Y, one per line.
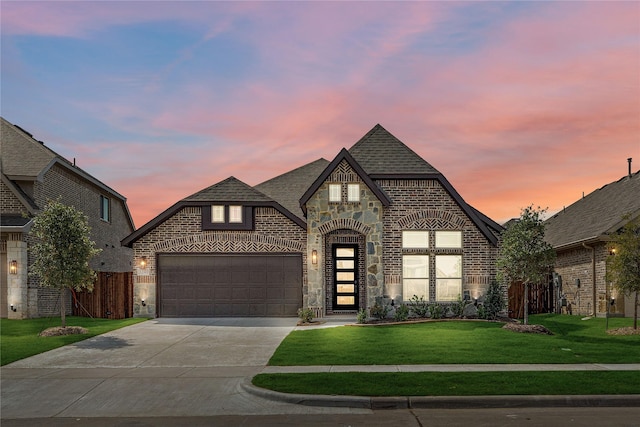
column 415, row 239
column 217, row 214
column 448, row 277
column 104, row 208
column 448, row 239
column 335, row 192
column 353, row 192
column 235, row 214
column 415, row 276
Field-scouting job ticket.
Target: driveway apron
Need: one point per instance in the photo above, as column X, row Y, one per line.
column 162, row 367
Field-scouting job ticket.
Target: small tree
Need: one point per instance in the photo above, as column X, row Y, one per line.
column 494, row 301
column 524, row 255
column 623, row 268
column 62, row 250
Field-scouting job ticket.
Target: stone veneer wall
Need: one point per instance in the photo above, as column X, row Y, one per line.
column 576, row 264
column 426, row 205
column 182, row 233
column 364, row 217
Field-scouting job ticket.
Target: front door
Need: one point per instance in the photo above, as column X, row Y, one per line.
column 345, row 267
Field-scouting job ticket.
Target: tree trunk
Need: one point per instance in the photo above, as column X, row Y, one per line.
column 635, row 312
column 63, row 308
column 526, row 303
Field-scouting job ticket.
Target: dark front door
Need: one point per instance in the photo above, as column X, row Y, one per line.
column 345, row 267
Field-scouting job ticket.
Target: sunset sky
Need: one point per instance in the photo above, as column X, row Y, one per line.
column 515, row 103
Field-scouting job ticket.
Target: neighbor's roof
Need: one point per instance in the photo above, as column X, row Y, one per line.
column 288, row 188
column 596, row 215
column 381, row 153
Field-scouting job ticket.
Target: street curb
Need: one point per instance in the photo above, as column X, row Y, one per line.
column 445, row 402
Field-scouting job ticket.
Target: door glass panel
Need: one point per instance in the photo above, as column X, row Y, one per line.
column 344, row 264
column 346, row 288
column 345, row 252
column 345, row 276
column 346, row 300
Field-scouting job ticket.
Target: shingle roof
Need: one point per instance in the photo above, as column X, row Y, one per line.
column 288, row 188
column 595, row 215
column 13, row 220
column 381, row 153
column 229, row 190
column 21, row 154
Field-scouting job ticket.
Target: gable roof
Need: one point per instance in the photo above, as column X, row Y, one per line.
column 230, row 190
column 287, row 188
column 343, row 155
column 596, row 215
column 381, row 153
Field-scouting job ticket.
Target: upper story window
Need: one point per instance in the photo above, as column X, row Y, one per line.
column 415, row 239
column 227, row 217
column 353, row 192
column 235, row 214
column 105, row 209
column 448, row 239
column 217, row 214
column 335, row 192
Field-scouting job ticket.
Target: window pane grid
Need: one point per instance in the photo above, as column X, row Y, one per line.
column 353, row 192
column 448, row 277
column 335, row 192
column 415, row 276
column 449, row 239
column 415, row 239
column 217, row 213
column 235, row 214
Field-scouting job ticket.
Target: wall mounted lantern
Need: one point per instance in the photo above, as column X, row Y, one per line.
column 143, row 262
column 314, row 257
column 144, row 304
column 13, row 267
column 13, row 308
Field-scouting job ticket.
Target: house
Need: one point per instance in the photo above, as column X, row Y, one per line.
column 32, row 174
column 580, row 235
column 377, row 223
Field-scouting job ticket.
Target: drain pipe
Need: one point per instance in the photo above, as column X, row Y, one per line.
column 593, row 274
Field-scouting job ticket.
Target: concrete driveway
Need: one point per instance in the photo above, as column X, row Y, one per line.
column 162, row 367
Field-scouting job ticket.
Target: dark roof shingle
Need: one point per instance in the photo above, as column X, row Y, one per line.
column 595, row 215
column 228, row 190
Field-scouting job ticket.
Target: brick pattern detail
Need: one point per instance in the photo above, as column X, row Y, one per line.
column 229, row 242
column 432, row 219
column 344, row 223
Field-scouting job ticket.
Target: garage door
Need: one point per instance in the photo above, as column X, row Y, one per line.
column 229, row 285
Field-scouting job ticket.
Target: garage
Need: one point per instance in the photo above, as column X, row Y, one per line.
column 206, row 285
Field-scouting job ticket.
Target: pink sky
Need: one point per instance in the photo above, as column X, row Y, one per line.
column 515, row 103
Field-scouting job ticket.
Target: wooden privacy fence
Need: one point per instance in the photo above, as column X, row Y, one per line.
column 111, row 298
column 540, row 299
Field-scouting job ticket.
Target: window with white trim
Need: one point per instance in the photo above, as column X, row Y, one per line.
column 217, row 214
column 335, row 192
column 235, row 214
column 353, row 192
column 412, row 239
column 104, row 208
column 448, row 277
column 415, row 276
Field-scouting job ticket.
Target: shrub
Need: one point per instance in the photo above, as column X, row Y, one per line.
column 436, row 310
column 482, row 312
column 361, row 316
column 494, row 301
column 380, row 311
column 457, row 307
column 402, row 313
column 419, row 306
column 305, row 314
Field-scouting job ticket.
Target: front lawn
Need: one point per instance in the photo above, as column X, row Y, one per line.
column 575, row 341
column 19, row 338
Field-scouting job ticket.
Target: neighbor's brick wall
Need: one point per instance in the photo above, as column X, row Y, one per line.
column 182, row 233
column 576, row 264
column 426, row 205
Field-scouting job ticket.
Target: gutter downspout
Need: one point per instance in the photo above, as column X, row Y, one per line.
column 593, row 274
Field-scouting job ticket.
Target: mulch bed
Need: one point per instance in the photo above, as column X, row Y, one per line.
column 59, row 330
column 527, row 329
column 624, row 331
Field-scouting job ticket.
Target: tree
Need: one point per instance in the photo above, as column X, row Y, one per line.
column 524, row 255
column 623, row 266
column 62, row 250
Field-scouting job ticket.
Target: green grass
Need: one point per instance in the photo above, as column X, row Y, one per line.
column 19, row 338
column 454, row 383
column 575, row 341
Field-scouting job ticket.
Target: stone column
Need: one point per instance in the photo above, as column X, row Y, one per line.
column 17, row 283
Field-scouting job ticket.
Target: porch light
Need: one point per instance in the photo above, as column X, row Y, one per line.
column 314, row 257
column 143, row 262
column 144, row 304
column 13, row 267
column 13, row 308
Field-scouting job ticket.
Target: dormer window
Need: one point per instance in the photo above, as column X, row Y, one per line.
column 227, row 217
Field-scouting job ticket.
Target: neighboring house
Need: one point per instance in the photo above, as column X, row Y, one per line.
column 377, row 223
column 31, row 175
column 580, row 234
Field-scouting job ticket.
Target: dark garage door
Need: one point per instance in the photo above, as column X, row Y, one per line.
column 229, row 285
